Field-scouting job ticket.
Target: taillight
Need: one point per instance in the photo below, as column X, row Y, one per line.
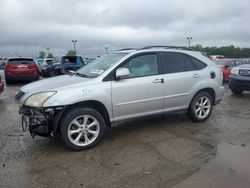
column 9, row 67
column 32, row 66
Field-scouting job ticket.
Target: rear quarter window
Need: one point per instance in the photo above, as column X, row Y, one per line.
column 197, row 63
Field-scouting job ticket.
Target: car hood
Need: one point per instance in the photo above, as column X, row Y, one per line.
column 53, row 83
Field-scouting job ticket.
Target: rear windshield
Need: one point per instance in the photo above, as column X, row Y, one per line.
column 20, row 61
column 49, row 61
column 69, row 59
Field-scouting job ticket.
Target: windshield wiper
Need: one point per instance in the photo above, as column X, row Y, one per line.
column 82, row 75
column 70, row 72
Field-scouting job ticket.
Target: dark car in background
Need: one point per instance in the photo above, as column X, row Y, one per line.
column 239, row 79
column 226, row 65
column 71, row 63
column 21, row 69
column 1, row 85
column 43, row 67
column 52, row 69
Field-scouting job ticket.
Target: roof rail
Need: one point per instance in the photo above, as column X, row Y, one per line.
column 124, row 49
column 166, row 47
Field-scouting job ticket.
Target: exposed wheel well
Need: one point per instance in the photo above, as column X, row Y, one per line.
column 98, row 106
column 210, row 91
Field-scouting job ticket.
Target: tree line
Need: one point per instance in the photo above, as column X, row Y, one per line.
column 227, row 51
column 42, row 54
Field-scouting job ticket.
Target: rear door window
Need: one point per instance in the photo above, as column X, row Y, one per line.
column 172, row 62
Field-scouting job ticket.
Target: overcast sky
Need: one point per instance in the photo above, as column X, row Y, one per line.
column 29, row 26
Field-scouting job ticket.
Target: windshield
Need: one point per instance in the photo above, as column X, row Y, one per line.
column 99, row 65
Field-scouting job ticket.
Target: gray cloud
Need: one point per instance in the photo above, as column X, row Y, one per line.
column 28, row 26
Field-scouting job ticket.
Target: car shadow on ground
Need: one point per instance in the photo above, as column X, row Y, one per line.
column 129, row 131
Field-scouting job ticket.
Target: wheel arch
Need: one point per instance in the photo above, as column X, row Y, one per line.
column 96, row 105
column 208, row 90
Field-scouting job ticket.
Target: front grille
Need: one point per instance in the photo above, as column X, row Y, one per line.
column 244, row 72
column 19, row 95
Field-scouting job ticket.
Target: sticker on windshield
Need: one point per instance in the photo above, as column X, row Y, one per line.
column 95, row 71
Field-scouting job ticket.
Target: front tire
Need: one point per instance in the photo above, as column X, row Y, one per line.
column 200, row 107
column 82, row 128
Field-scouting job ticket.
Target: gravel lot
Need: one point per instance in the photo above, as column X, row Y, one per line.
column 165, row 151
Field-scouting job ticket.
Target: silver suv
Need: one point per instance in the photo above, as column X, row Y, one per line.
column 123, row 85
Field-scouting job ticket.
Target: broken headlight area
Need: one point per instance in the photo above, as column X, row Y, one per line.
column 39, row 121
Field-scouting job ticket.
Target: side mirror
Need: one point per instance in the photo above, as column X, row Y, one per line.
column 122, row 73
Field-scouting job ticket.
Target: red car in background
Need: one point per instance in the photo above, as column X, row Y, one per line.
column 1, row 85
column 226, row 65
column 23, row 69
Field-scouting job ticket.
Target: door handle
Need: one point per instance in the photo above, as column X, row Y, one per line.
column 158, row 80
column 196, row 76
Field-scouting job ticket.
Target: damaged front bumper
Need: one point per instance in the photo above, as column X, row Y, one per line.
column 40, row 121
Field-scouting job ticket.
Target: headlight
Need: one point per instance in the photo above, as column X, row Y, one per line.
column 235, row 70
column 38, row 99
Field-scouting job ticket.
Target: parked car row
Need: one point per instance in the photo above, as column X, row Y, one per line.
column 226, row 65
column 26, row 69
column 237, row 72
column 51, row 68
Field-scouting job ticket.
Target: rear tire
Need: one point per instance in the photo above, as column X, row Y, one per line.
column 200, row 107
column 236, row 92
column 82, row 128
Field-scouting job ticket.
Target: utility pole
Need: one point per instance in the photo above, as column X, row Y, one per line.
column 48, row 51
column 74, row 42
column 189, row 41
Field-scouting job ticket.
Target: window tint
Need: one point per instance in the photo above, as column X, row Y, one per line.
column 173, row 62
column 197, row 63
column 144, row 65
column 189, row 65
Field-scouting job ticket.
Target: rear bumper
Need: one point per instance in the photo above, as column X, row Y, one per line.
column 237, row 82
column 219, row 95
column 22, row 77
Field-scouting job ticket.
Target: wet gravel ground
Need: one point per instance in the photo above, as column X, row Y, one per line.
column 164, row 151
